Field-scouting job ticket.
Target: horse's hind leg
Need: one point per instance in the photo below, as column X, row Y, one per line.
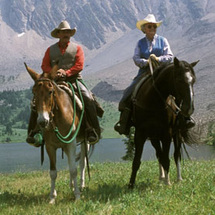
column 53, row 173
column 84, row 150
column 177, row 155
column 70, row 151
column 139, row 143
column 165, row 161
column 157, row 146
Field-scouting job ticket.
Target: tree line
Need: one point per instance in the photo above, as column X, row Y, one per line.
column 15, row 109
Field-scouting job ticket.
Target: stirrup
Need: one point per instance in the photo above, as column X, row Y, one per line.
column 36, row 140
column 92, row 139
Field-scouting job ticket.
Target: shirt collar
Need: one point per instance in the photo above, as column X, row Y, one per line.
column 149, row 41
column 61, row 46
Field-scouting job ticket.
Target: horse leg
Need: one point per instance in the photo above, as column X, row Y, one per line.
column 70, row 151
column 177, row 155
column 53, row 172
column 157, row 146
column 165, row 161
column 82, row 163
column 162, row 174
column 139, row 143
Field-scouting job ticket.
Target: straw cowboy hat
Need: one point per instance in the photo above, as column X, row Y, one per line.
column 64, row 25
column 149, row 19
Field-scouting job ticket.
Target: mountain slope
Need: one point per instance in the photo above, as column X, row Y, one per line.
column 107, row 31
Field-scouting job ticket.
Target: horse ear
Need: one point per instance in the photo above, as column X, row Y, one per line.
column 32, row 73
column 176, row 61
column 53, row 73
column 194, row 63
column 54, row 69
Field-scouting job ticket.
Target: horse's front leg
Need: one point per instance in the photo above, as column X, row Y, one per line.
column 156, row 144
column 177, row 155
column 53, row 172
column 139, row 143
column 70, row 151
column 165, row 161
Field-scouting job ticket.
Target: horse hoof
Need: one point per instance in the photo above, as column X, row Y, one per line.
column 52, row 201
column 77, row 197
column 82, row 188
column 168, row 183
column 131, row 186
column 180, row 179
column 161, row 179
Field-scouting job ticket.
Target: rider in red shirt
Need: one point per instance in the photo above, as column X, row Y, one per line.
column 70, row 60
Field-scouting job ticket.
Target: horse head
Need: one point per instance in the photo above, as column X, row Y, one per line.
column 184, row 79
column 43, row 91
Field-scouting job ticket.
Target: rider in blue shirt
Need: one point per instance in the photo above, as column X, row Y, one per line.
column 151, row 46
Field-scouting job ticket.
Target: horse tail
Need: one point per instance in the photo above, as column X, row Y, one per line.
column 89, row 153
column 189, row 137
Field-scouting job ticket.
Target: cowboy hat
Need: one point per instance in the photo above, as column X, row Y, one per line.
column 149, row 19
column 64, row 25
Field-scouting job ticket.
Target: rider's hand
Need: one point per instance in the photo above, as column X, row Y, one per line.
column 60, row 75
column 154, row 57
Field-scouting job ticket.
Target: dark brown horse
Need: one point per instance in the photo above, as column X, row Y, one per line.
column 157, row 120
column 59, row 124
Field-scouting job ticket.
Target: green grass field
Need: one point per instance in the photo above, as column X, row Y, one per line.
column 107, row 193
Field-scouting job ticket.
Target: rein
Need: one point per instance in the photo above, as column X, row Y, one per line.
column 178, row 109
column 58, row 134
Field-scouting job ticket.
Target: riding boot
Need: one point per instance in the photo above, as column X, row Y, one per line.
column 123, row 127
column 99, row 109
column 34, row 137
column 93, row 127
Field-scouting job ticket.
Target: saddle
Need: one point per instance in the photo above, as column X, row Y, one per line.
column 65, row 86
column 139, row 84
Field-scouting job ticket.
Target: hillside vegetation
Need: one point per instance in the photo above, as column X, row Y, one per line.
column 15, row 112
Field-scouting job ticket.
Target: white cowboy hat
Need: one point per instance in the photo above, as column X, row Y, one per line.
column 64, row 25
column 149, row 19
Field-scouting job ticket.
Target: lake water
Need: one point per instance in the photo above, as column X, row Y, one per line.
column 22, row 157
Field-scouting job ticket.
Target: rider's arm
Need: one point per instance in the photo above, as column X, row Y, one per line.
column 46, row 66
column 140, row 62
column 167, row 56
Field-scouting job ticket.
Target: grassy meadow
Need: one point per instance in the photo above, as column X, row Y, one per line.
column 107, row 194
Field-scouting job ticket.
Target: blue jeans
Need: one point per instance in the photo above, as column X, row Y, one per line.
column 126, row 98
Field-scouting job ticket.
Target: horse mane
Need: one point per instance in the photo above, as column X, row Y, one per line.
column 161, row 69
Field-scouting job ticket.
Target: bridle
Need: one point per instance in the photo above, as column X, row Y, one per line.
column 51, row 114
column 177, row 108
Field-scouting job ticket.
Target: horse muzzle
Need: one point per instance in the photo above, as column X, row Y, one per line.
column 43, row 120
column 187, row 110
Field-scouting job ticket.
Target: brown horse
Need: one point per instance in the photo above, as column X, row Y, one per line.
column 153, row 120
column 59, row 124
